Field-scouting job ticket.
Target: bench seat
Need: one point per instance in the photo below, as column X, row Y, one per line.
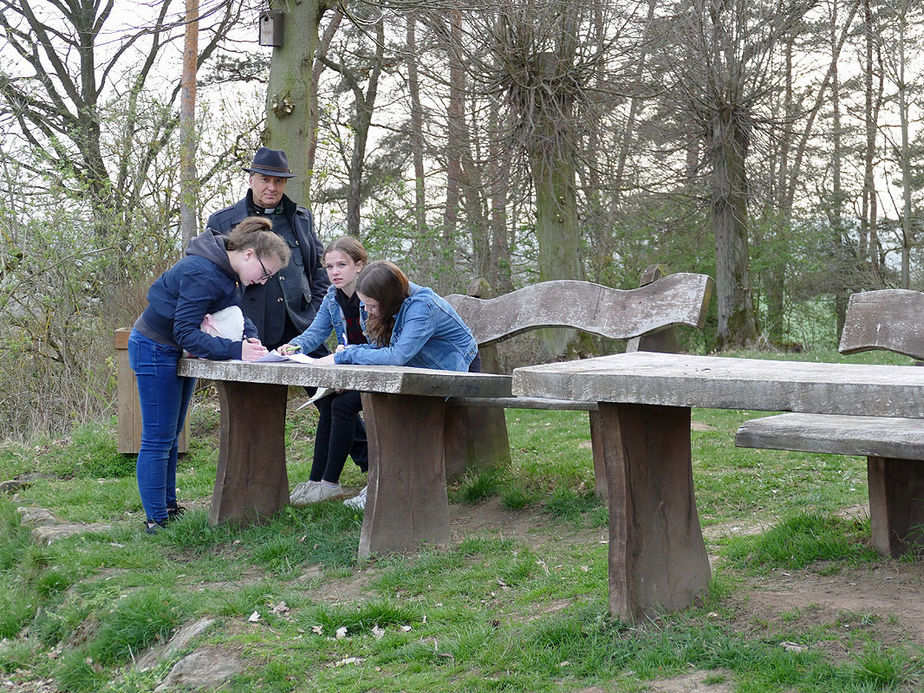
column 894, row 451
column 866, row 436
column 888, row 319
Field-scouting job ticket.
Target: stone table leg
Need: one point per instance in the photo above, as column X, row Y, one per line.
column 657, row 557
column 406, row 503
column 251, row 482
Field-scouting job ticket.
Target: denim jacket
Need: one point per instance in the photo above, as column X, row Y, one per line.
column 428, row 333
column 329, row 317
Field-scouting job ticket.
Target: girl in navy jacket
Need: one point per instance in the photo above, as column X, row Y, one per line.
column 210, row 278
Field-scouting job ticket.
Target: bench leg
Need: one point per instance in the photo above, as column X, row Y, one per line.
column 406, row 502
column 475, row 437
column 896, row 504
column 597, row 445
column 657, row 557
column 251, row 482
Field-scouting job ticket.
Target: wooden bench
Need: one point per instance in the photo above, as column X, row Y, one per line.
column 476, row 432
column 890, row 319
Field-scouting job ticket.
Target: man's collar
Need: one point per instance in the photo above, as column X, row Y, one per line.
column 269, row 211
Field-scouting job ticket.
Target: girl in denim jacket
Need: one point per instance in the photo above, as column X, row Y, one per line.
column 340, row 428
column 408, row 325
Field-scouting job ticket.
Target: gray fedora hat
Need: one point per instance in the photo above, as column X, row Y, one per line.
column 271, row 162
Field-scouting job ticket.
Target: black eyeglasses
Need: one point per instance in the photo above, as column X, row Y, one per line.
column 266, row 275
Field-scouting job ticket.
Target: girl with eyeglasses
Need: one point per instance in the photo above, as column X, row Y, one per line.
column 209, row 279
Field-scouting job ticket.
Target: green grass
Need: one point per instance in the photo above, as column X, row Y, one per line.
column 518, row 607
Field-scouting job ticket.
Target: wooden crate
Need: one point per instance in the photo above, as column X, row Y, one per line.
column 129, row 407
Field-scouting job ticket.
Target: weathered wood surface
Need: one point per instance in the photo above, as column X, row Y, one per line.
column 677, row 299
column 521, row 403
column 129, row 424
column 896, row 504
column 662, row 340
column 406, row 502
column 894, row 451
column 645, row 317
column 637, row 395
column 891, row 319
column 683, row 380
column 395, row 380
column 657, row 558
column 867, row 436
column 251, row 483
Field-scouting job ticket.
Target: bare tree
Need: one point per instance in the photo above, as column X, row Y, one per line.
column 58, row 91
column 726, row 50
column 899, row 30
column 189, row 182
column 289, row 123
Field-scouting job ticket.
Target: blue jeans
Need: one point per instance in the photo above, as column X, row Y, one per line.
column 164, row 398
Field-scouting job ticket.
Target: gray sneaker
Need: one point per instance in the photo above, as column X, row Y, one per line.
column 299, row 493
column 357, row 502
column 316, row 492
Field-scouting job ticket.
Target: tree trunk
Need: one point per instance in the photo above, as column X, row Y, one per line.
column 841, row 285
column 365, row 105
column 313, row 118
column 552, row 170
column 189, row 180
column 455, row 128
column 779, row 232
column 869, row 237
column 500, row 273
column 417, row 137
column 727, row 143
column 288, row 112
column 907, row 233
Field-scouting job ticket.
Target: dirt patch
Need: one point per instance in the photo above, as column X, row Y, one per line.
column 531, row 525
column 884, row 597
column 352, row 589
column 694, row 682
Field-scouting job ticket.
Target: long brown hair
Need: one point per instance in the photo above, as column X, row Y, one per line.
column 350, row 247
column 388, row 286
column 257, row 233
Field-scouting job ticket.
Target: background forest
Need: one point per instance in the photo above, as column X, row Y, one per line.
column 773, row 144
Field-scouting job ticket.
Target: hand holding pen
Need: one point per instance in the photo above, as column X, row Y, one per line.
column 288, row 349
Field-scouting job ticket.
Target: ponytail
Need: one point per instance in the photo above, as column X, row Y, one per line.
column 257, row 233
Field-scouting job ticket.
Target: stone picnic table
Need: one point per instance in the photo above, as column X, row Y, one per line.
column 404, row 410
column 657, row 557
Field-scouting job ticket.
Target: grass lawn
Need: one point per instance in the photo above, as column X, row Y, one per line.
column 518, row 602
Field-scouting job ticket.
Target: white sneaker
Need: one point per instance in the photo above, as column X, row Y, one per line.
column 298, row 494
column 357, row 502
column 315, row 493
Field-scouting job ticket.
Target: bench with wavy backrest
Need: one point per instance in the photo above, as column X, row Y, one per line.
column 890, row 319
column 476, row 434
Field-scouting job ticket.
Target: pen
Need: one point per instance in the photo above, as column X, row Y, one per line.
column 293, row 349
column 345, row 343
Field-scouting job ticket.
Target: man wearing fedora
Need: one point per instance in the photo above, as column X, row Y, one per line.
column 285, row 305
